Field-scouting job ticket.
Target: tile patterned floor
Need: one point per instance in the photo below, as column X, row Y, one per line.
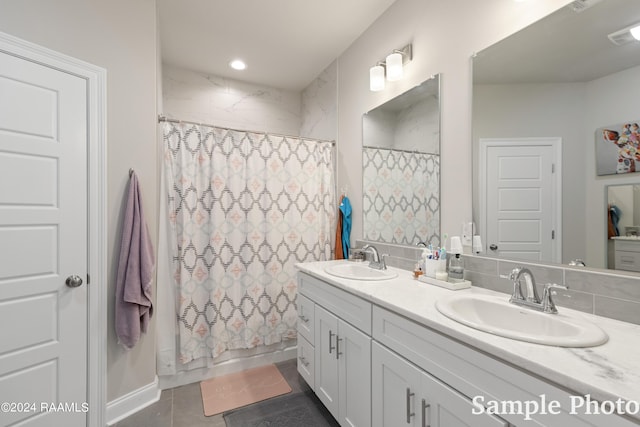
column 182, row 406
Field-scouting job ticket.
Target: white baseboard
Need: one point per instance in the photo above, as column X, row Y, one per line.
column 132, row 402
column 227, row 367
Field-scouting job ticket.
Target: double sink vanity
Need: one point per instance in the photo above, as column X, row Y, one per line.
column 380, row 348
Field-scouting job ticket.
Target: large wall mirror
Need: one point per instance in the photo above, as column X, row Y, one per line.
column 540, row 97
column 401, row 168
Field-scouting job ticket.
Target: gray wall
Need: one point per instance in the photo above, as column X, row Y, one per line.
column 120, row 36
column 444, row 35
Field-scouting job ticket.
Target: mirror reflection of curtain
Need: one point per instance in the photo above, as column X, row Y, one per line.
column 401, row 196
column 243, row 209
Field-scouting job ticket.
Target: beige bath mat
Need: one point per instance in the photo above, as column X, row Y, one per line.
column 242, row 388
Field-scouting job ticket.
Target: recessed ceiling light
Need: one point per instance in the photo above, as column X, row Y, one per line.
column 238, row 64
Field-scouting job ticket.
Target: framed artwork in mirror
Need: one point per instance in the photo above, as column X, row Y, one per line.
column 618, row 149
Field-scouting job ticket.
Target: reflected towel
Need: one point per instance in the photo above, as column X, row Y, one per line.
column 345, row 209
column 339, row 254
column 135, row 272
column 614, row 218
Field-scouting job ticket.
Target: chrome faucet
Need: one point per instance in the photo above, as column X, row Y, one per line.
column 577, row 263
column 532, row 291
column 530, row 298
column 378, row 260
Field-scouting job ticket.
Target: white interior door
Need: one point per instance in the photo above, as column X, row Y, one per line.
column 522, row 204
column 43, row 241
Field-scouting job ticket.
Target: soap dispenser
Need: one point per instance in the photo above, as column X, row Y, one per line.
column 456, row 267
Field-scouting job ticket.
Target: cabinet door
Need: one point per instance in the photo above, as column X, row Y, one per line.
column 442, row 406
column 395, row 388
column 354, row 374
column 326, row 361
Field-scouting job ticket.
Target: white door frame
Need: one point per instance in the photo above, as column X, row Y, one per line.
column 556, row 144
column 96, row 78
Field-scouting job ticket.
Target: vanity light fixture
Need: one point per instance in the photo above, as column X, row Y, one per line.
column 376, row 78
column 635, row 31
column 392, row 68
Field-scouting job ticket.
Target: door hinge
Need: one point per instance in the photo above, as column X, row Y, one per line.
column 553, row 168
column 553, row 234
column 88, row 279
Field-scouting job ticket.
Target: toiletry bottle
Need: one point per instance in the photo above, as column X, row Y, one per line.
column 428, row 267
column 456, row 269
column 417, row 270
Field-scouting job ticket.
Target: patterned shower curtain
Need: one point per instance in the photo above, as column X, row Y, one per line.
column 401, row 196
column 243, row 209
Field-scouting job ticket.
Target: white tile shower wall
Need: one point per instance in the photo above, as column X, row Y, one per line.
column 319, row 106
column 207, row 99
column 609, row 294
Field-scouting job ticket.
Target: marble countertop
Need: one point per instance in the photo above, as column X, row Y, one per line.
column 606, row 372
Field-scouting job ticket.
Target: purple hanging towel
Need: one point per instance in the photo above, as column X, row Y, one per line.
column 135, row 271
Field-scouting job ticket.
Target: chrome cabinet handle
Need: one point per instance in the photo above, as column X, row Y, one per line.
column 338, row 339
column 304, row 318
column 331, row 348
column 425, row 406
column 409, row 413
column 73, row 281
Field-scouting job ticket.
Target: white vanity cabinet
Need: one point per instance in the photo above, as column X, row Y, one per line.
column 406, row 395
column 627, row 254
column 372, row 366
column 342, row 351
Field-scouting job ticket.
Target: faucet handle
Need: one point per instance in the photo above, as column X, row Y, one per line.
column 548, row 286
column 548, row 306
column 383, row 263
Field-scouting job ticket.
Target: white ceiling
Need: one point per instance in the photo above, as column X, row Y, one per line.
column 285, row 43
column 563, row 47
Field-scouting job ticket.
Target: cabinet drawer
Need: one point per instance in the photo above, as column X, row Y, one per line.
column 350, row 308
column 306, row 361
column 627, row 245
column 306, row 317
column 629, row 261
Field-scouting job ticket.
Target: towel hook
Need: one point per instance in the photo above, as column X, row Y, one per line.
column 130, row 172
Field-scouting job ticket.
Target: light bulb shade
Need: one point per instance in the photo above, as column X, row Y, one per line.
column 376, row 78
column 635, row 32
column 394, row 67
column 477, row 244
column 456, row 245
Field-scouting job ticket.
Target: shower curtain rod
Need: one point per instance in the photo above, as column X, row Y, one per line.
column 167, row 119
column 398, row 150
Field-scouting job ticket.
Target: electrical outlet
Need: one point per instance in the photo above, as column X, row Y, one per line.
column 467, row 233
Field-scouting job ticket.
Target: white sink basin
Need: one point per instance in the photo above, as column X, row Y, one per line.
column 355, row 271
column 499, row 317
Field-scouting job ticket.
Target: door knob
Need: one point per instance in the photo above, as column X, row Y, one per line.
column 73, row 281
column 493, row 247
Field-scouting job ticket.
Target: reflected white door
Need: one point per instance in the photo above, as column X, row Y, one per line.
column 522, row 216
column 43, row 241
